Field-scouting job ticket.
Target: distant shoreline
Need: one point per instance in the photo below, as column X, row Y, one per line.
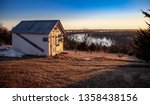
column 101, row 29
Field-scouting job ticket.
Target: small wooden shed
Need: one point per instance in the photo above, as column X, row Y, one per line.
column 39, row 37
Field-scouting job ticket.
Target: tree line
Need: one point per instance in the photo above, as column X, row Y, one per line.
column 5, row 35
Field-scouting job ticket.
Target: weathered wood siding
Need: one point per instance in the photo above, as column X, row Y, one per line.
column 55, row 45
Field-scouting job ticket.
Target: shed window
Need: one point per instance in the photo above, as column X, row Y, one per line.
column 45, row 39
column 59, row 35
column 59, row 39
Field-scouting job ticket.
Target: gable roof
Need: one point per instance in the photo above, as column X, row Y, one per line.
column 36, row 26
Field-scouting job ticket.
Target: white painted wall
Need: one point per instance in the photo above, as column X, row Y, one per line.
column 21, row 45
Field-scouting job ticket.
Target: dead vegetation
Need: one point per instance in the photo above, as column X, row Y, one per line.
column 74, row 69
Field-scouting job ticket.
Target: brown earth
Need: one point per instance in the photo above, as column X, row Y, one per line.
column 75, row 69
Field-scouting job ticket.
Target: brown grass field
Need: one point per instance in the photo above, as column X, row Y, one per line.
column 76, row 70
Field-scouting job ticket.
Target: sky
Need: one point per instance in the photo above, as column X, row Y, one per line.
column 77, row 14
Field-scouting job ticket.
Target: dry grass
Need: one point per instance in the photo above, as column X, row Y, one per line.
column 74, row 70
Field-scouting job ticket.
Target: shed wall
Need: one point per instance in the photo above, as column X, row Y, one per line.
column 21, row 45
column 55, row 46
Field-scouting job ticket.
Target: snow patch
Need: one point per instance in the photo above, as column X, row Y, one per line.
column 9, row 52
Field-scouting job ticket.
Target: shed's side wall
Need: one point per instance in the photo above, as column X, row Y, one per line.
column 55, row 46
column 21, row 45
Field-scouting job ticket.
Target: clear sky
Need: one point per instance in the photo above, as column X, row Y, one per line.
column 77, row 14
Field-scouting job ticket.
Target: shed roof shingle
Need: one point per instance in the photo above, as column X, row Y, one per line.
column 37, row 26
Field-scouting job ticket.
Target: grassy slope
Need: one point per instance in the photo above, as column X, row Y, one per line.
column 74, row 70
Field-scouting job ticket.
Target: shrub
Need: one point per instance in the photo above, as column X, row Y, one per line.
column 5, row 35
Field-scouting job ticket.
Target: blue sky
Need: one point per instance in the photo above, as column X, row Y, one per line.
column 76, row 14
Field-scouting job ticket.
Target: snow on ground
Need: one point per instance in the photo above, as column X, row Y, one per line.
column 9, row 52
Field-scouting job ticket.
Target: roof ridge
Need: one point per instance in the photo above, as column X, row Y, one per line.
column 38, row 20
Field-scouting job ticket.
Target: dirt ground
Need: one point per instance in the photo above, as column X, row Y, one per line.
column 76, row 70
